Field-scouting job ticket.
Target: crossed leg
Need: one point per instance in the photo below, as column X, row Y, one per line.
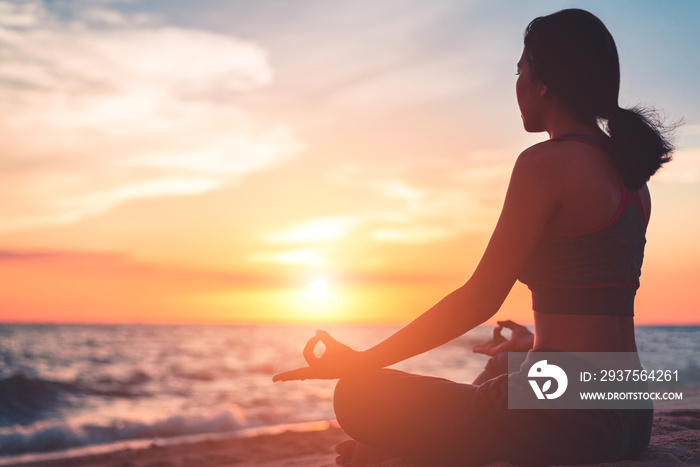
column 390, row 413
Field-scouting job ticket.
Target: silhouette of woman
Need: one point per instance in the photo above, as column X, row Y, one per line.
column 572, row 228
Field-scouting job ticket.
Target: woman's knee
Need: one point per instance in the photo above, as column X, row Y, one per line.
column 342, row 395
column 498, row 364
column 349, row 398
column 359, row 400
column 495, row 366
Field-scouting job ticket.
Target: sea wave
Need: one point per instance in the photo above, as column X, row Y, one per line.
column 54, row 435
column 26, row 399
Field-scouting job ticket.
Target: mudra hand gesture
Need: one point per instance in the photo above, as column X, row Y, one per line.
column 337, row 360
column 521, row 340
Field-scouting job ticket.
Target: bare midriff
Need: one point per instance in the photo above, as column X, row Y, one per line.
column 584, row 333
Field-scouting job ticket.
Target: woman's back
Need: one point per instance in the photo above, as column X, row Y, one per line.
column 589, row 197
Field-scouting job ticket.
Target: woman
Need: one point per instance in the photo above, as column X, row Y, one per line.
column 572, row 228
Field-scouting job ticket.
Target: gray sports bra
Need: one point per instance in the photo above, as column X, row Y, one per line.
column 594, row 272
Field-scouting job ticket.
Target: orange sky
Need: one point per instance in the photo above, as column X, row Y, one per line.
column 157, row 167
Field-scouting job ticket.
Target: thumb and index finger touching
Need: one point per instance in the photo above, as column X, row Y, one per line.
column 508, row 324
column 498, row 342
column 308, row 352
column 311, row 359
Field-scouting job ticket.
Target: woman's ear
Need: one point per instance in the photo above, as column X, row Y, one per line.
column 542, row 89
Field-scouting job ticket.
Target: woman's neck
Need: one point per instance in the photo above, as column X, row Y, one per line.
column 561, row 128
column 559, row 120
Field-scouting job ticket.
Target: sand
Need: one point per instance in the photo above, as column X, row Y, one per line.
column 675, row 441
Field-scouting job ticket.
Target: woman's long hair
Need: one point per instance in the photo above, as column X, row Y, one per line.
column 574, row 55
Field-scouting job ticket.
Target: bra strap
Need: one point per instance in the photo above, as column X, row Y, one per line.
column 596, row 142
column 593, row 141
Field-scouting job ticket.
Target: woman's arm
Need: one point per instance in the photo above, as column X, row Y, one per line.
column 531, row 200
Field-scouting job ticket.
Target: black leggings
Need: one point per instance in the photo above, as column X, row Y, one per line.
column 444, row 423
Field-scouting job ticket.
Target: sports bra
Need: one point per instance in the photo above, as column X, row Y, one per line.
column 592, row 272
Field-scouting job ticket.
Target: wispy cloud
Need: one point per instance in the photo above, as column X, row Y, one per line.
column 685, row 166
column 109, row 108
column 122, row 264
column 312, row 257
column 317, row 230
column 411, row 207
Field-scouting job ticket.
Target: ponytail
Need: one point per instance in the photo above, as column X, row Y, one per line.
column 640, row 143
column 572, row 52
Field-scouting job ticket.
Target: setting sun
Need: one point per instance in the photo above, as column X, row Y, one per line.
column 320, row 299
column 319, row 288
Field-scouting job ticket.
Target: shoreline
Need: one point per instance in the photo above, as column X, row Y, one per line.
column 675, row 441
column 137, row 446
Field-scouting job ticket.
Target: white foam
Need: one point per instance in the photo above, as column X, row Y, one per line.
column 64, row 434
column 160, row 442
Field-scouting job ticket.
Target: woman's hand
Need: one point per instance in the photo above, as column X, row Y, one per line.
column 338, row 360
column 521, row 340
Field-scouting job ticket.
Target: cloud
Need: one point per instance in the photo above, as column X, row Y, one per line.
column 19, row 255
column 685, row 166
column 428, row 200
column 97, row 116
column 319, row 230
column 20, row 14
column 314, row 257
column 122, row 264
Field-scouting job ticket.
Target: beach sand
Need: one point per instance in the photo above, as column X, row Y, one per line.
column 675, row 441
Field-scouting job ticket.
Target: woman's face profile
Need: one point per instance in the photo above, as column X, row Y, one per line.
column 528, row 90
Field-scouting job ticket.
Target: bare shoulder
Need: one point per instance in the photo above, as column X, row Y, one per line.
column 565, row 162
column 544, row 161
column 539, row 151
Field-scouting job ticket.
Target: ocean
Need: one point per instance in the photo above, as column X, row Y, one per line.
column 68, row 386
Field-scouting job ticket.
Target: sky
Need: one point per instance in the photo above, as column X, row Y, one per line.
column 301, row 161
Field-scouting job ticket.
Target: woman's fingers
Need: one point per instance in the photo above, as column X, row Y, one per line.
column 308, row 352
column 324, row 367
column 295, row 375
column 497, row 336
column 498, row 342
column 307, row 373
column 517, row 329
column 486, row 348
column 497, row 332
column 509, row 324
column 321, row 336
column 326, row 338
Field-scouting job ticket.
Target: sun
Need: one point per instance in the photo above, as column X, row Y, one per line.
column 319, row 288
column 319, row 298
